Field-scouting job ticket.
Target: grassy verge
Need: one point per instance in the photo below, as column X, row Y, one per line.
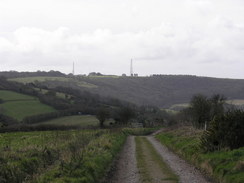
column 224, row 166
column 151, row 165
column 60, row 156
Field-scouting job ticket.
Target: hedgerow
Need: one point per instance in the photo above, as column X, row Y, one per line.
column 225, row 132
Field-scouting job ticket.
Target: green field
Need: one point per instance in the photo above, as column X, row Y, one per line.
column 19, row 106
column 60, row 156
column 83, row 156
column 9, row 95
column 78, row 120
column 63, row 79
column 40, row 79
column 58, row 94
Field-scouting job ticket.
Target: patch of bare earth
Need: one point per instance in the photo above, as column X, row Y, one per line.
column 125, row 167
column 186, row 172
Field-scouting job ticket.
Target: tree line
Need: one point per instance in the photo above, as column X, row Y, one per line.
column 16, row 74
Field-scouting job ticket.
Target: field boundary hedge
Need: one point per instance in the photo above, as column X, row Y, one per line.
column 225, row 166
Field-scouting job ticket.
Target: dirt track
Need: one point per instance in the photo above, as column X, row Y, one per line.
column 126, row 169
column 186, row 172
column 127, row 172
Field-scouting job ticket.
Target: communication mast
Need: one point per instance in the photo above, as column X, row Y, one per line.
column 131, row 68
column 73, row 71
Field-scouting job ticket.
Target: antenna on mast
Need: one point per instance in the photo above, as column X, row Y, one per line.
column 131, row 68
column 73, row 71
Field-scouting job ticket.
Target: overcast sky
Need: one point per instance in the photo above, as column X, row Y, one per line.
column 196, row 37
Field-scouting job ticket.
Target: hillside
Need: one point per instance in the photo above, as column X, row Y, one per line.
column 34, row 102
column 162, row 91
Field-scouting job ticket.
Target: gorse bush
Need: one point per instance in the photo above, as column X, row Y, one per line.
column 224, row 132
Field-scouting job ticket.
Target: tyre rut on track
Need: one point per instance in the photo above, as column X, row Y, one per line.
column 187, row 173
column 126, row 170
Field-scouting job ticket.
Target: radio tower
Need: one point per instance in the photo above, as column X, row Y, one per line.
column 73, row 71
column 131, row 68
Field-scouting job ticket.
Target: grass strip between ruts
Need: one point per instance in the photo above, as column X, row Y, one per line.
column 146, row 155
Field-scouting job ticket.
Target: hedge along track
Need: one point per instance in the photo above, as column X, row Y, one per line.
column 151, row 165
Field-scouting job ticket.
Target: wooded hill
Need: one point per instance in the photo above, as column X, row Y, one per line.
column 61, row 101
column 160, row 90
column 165, row 90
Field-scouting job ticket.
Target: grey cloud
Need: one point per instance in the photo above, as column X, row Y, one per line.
column 162, row 36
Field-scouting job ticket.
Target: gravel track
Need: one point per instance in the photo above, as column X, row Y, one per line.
column 126, row 169
column 186, row 172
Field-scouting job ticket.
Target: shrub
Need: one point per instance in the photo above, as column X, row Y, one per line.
column 224, row 132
